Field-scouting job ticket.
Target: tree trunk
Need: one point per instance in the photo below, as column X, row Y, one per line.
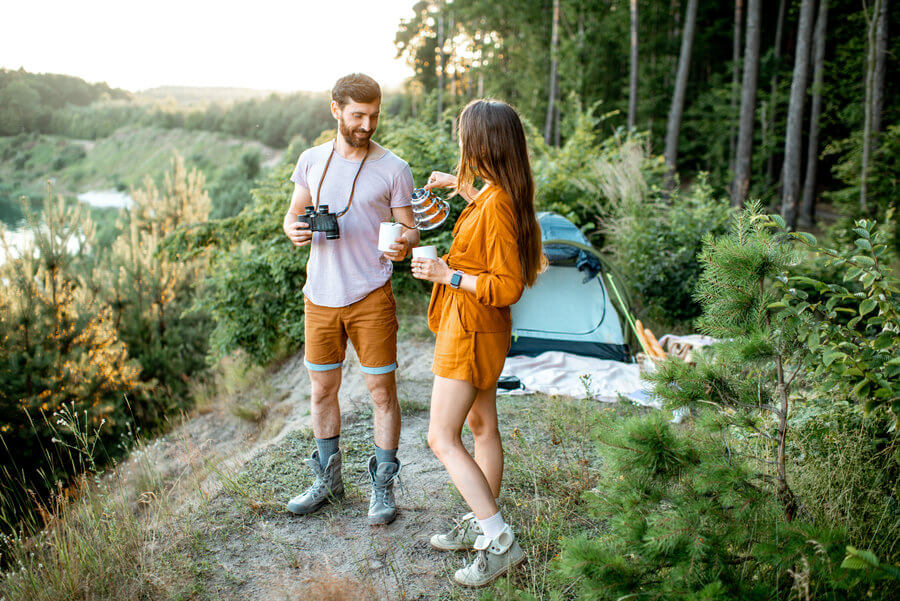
column 870, row 89
column 673, row 127
column 748, row 106
column 793, row 142
column 735, row 67
column 769, row 123
column 881, row 39
column 808, row 209
column 441, row 66
column 633, row 79
column 554, row 57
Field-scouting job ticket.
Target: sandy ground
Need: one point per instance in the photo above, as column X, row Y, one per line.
column 248, row 547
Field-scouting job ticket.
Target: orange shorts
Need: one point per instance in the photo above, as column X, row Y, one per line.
column 476, row 357
column 370, row 324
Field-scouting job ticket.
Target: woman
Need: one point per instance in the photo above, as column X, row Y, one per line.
column 496, row 252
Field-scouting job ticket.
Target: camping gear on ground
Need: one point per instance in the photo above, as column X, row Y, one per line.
column 569, row 309
column 559, row 373
column 683, row 347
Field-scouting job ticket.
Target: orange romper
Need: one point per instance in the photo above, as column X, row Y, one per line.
column 473, row 330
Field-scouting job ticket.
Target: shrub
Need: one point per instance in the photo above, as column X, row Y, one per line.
column 254, row 277
column 656, row 242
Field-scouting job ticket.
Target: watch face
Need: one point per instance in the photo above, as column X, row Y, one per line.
column 455, row 280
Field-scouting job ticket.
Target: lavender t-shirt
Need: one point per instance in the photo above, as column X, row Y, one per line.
column 343, row 271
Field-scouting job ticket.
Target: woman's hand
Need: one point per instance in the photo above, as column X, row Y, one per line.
column 439, row 179
column 436, row 271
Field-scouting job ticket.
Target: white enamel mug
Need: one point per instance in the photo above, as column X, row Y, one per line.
column 387, row 234
column 425, row 252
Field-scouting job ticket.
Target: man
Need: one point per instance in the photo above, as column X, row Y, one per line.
column 348, row 290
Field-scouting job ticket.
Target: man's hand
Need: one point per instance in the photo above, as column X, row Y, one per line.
column 298, row 232
column 400, row 249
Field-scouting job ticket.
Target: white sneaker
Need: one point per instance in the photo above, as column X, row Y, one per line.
column 461, row 536
column 494, row 557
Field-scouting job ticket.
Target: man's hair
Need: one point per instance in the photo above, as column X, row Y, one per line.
column 355, row 87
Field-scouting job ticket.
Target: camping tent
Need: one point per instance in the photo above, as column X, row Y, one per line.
column 569, row 308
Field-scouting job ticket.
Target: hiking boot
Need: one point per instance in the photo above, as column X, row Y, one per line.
column 382, row 508
column 461, row 536
column 494, row 556
column 327, row 486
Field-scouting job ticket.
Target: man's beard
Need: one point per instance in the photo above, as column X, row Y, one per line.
column 354, row 137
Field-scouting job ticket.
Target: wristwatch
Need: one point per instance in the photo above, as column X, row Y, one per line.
column 456, row 279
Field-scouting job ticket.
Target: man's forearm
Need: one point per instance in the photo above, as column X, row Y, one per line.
column 412, row 236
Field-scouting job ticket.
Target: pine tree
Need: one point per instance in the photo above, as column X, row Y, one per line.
column 149, row 292
column 704, row 510
column 60, row 347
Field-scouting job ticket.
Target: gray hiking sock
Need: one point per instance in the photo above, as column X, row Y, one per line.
column 385, row 455
column 327, row 447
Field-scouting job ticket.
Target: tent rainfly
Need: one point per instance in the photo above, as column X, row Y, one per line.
column 569, row 307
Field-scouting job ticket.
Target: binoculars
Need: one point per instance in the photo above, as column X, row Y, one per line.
column 321, row 221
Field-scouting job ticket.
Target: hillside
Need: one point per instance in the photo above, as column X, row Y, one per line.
column 191, row 95
column 199, row 513
column 120, row 161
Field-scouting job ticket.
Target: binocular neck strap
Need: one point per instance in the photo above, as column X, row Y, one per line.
column 352, row 188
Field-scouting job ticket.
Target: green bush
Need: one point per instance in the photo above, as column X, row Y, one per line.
column 688, row 519
column 254, row 277
column 230, row 191
column 656, row 243
column 853, row 462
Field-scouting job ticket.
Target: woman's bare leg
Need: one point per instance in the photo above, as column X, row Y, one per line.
column 451, row 401
column 482, row 420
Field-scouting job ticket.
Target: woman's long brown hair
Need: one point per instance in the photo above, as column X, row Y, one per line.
column 494, row 149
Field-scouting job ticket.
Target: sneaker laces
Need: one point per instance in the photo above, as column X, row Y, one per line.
column 481, row 561
column 460, row 527
column 380, row 490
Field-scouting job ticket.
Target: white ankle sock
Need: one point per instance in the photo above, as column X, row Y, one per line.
column 492, row 526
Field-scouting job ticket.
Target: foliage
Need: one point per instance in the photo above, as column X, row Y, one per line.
column 149, row 294
column 689, row 520
column 749, row 379
column 884, row 178
column 848, row 468
column 254, row 275
column 230, row 192
column 851, row 334
column 60, row 348
column 655, row 240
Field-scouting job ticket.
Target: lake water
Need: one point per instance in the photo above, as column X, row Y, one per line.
column 18, row 238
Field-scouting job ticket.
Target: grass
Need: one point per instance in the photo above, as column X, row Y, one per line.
column 141, row 531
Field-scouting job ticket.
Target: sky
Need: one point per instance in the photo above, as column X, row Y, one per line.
column 262, row 44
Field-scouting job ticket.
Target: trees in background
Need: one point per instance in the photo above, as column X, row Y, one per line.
column 741, row 184
column 633, row 64
column 808, row 206
column 793, row 141
column 552, row 102
column 874, row 82
column 512, row 57
column 673, row 126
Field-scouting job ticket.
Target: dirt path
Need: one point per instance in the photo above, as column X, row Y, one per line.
column 248, row 547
